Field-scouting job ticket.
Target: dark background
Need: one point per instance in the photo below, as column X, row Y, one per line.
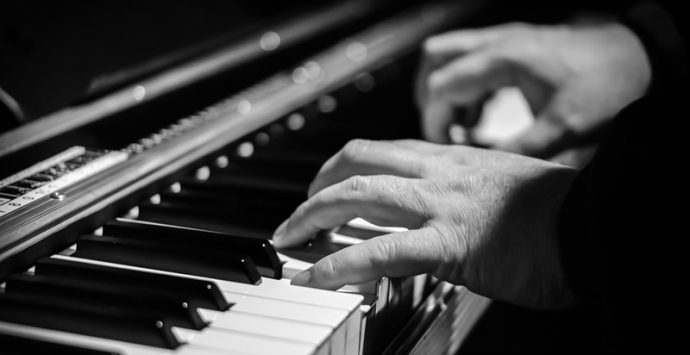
column 54, row 53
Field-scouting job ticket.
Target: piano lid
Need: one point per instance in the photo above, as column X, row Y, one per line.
column 53, row 54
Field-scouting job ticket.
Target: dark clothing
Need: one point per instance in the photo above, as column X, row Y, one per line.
column 624, row 238
column 624, row 246
column 623, row 234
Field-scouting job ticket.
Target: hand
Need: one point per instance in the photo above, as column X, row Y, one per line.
column 485, row 219
column 574, row 77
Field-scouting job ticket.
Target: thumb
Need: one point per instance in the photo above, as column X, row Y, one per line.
column 394, row 255
column 544, row 138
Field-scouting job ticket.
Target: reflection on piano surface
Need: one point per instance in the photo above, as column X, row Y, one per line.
column 137, row 221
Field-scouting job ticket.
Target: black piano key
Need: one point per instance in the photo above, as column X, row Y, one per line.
column 168, row 307
column 257, row 195
column 168, row 258
column 314, row 250
column 282, row 170
column 16, row 345
column 105, row 322
column 177, row 212
column 162, row 213
column 261, row 182
column 233, row 204
column 209, row 243
column 200, row 293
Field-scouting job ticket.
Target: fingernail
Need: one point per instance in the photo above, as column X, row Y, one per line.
column 279, row 234
column 302, row 279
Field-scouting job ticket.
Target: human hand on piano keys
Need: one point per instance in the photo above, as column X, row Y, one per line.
column 575, row 78
column 484, row 219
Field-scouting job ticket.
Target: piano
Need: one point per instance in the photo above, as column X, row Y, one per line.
column 137, row 219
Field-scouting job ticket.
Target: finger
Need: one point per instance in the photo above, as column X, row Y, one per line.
column 544, row 138
column 448, row 45
column 382, row 200
column 393, row 255
column 365, row 157
column 463, row 82
column 441, row 49
column 467, row 80
column 437, row 117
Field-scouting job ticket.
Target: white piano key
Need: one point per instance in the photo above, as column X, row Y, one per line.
column 347, row 331
column 287, row 310
column 352, row 333
column 108, row 344
column 223, row 340
column 273, row 327
column 330, row 317
column 292, row 267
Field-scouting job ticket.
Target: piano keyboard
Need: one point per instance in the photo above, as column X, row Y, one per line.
column 187, row 266
column 237, row 202
column 169, row 309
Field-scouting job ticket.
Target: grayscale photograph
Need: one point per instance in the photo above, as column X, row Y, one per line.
column 344, row 177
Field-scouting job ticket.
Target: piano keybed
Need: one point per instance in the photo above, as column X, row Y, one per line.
column 172, row 254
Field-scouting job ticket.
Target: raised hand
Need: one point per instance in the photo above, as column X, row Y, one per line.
column 574, row 77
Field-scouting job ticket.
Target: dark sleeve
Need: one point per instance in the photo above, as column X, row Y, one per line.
column 624, row 225
column 624, row 228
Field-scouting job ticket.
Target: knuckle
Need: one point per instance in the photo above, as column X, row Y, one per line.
column 355, row 149
column 326, row 268
column 358, row 184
